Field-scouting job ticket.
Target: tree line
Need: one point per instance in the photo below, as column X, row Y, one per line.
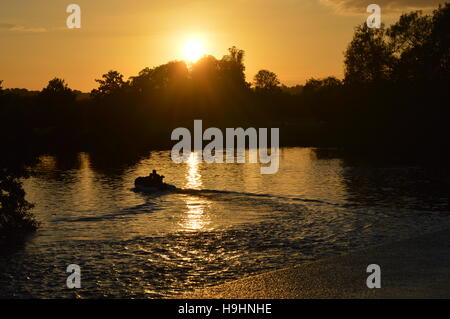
column 393, row 93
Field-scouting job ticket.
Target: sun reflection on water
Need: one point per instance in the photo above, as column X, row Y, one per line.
column 193, row 177
column 196, row 216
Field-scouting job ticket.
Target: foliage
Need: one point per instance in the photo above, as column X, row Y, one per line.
column 110, row 84
column 266, row 80
column 16, row 219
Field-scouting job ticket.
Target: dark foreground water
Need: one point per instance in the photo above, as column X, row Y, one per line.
column 231, row 222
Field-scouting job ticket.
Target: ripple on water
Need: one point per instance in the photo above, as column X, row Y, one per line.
column 235, row 222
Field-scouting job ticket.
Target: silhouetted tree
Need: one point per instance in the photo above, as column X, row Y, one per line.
column 170, row 75
column 110, row 84
column 396, row 81
column 236, row 56
column 266, row 80
column 57, row 92
column 408, row 38
column 16, row 220
column 438, row 46
column 320, row 84
column 205, row 70
column 368, row 57
column 56, row 86
column 232, row 67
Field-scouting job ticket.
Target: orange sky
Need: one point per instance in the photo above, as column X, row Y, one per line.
column 297, row 39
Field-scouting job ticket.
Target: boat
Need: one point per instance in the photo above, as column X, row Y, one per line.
column 143, row 184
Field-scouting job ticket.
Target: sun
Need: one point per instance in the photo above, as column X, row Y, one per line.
column 193, row 50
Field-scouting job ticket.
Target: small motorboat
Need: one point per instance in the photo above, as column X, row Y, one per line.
column 144, row 184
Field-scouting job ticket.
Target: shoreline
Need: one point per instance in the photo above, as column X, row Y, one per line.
column 418, row 267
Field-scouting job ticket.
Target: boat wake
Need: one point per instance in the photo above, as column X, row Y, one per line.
column 271, row 201
column 212, row 192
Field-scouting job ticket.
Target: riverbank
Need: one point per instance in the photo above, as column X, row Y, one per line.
column 413, row 268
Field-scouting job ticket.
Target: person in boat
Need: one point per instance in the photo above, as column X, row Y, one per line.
column 153, row 181
column 155, row 178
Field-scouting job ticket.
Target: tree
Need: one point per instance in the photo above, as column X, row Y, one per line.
column 368, row 58
column 237, row 56
column 56, row 86
column 314, row 85
column 439, row 46
column 415, row 49
column 57, row 92
column 408, row 40
column 410, row 31
column 205, row 70
column 266, row 80
column 110, row 84
column 16, row 219
column 161, row 77
column 232, row 66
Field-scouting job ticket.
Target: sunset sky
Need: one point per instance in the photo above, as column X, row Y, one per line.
column 297, row 39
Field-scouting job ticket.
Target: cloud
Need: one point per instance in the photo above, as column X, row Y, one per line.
column 20, row 28
column 387, row 6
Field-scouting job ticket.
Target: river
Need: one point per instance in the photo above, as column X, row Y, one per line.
column 229, row 222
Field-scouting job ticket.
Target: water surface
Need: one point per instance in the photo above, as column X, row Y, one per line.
column 230, row 221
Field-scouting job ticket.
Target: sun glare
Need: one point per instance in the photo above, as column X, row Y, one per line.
column 193, row 50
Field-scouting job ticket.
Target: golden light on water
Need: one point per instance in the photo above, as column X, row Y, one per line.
column 193, row 177
column 195, row 218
